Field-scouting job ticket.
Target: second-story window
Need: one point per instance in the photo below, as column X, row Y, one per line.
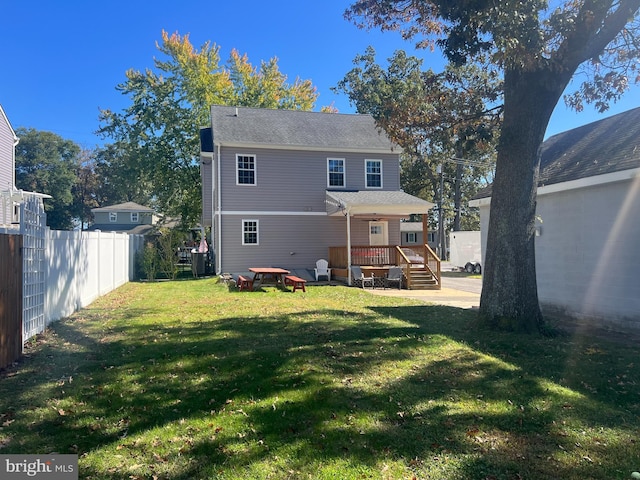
column 246, row 169
column 135, row 217
column 373, row 173
column 113, row 216
column 335, row 172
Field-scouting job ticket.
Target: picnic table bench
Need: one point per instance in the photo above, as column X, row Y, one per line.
column 295, row 282
column 245, row 283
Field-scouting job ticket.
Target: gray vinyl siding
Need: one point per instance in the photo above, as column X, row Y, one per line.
column 6, row 165
column 288, row 200
column 360, row 232
column 124, row 218
column 291, row 242
column 290, row 180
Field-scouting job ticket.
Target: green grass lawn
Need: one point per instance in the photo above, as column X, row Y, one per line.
column 189, row 380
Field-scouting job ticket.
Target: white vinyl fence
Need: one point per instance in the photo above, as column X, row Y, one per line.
column 83, row 266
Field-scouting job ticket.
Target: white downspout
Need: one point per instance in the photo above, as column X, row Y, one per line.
column 218, row 213
column 349, row 247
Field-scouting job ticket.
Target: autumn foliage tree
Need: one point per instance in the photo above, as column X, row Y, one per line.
column 156, row 136
column 540, row 47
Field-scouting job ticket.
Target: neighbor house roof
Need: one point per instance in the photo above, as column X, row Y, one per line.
column 133, row 229
column 607, row 146
column 124, row 207
column 364, row 202
column 295, row 129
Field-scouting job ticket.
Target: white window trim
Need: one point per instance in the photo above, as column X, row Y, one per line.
column 113, row 217
column 135, row 217
column 412, row 237
column 257, row 222
column 365, row 172
column 344, row 173
column 255, row 170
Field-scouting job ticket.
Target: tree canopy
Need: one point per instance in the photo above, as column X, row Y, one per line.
column 447, row 119
column 539, row 46
column 47, row 163
column 156, row 137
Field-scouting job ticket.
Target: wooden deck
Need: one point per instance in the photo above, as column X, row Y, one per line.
column 421, row 265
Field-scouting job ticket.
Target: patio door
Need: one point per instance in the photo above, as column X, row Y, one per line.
column 378, row 233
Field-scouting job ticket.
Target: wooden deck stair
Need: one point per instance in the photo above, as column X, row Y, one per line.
column 422, row 280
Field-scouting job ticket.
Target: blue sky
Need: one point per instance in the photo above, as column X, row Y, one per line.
column 61, row 61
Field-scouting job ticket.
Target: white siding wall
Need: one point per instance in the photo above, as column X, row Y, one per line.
column 587, row 259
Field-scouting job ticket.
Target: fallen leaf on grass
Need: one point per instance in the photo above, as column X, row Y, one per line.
column 473, row 432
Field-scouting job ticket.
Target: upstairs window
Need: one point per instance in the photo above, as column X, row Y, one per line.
column 113, row 216
column 135, row 217
column 412, row 237
column 335, row 172
column 246, row 169
column 250, row 232
column 373, row 173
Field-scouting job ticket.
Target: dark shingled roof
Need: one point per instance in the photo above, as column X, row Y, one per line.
column 297, row 129
column 606, row 146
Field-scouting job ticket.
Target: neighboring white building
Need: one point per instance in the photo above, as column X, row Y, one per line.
column 588, row 222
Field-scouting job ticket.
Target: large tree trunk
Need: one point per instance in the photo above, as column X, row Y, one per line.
column 509, row 297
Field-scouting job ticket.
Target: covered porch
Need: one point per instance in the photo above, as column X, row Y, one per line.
column 379, row 209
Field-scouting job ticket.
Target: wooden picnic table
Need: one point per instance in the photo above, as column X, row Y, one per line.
column 261, row 274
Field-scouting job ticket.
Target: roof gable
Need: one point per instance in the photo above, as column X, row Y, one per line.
column 124, row 207
column 604, row 147
column 3, row 116
column 297, row 129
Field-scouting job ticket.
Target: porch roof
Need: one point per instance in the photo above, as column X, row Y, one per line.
column 374, row 202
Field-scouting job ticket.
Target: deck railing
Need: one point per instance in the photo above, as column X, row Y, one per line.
column 415, row 257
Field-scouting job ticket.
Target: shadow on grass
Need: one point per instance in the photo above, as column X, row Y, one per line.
column 414, row 382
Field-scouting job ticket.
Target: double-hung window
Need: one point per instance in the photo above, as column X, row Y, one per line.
column 250, row 232
column 373, row 173
column 135, row 217
column 245, row 169
column 335, row 172
column 113, row 216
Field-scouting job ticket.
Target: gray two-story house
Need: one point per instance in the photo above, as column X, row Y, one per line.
column 285, row 188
